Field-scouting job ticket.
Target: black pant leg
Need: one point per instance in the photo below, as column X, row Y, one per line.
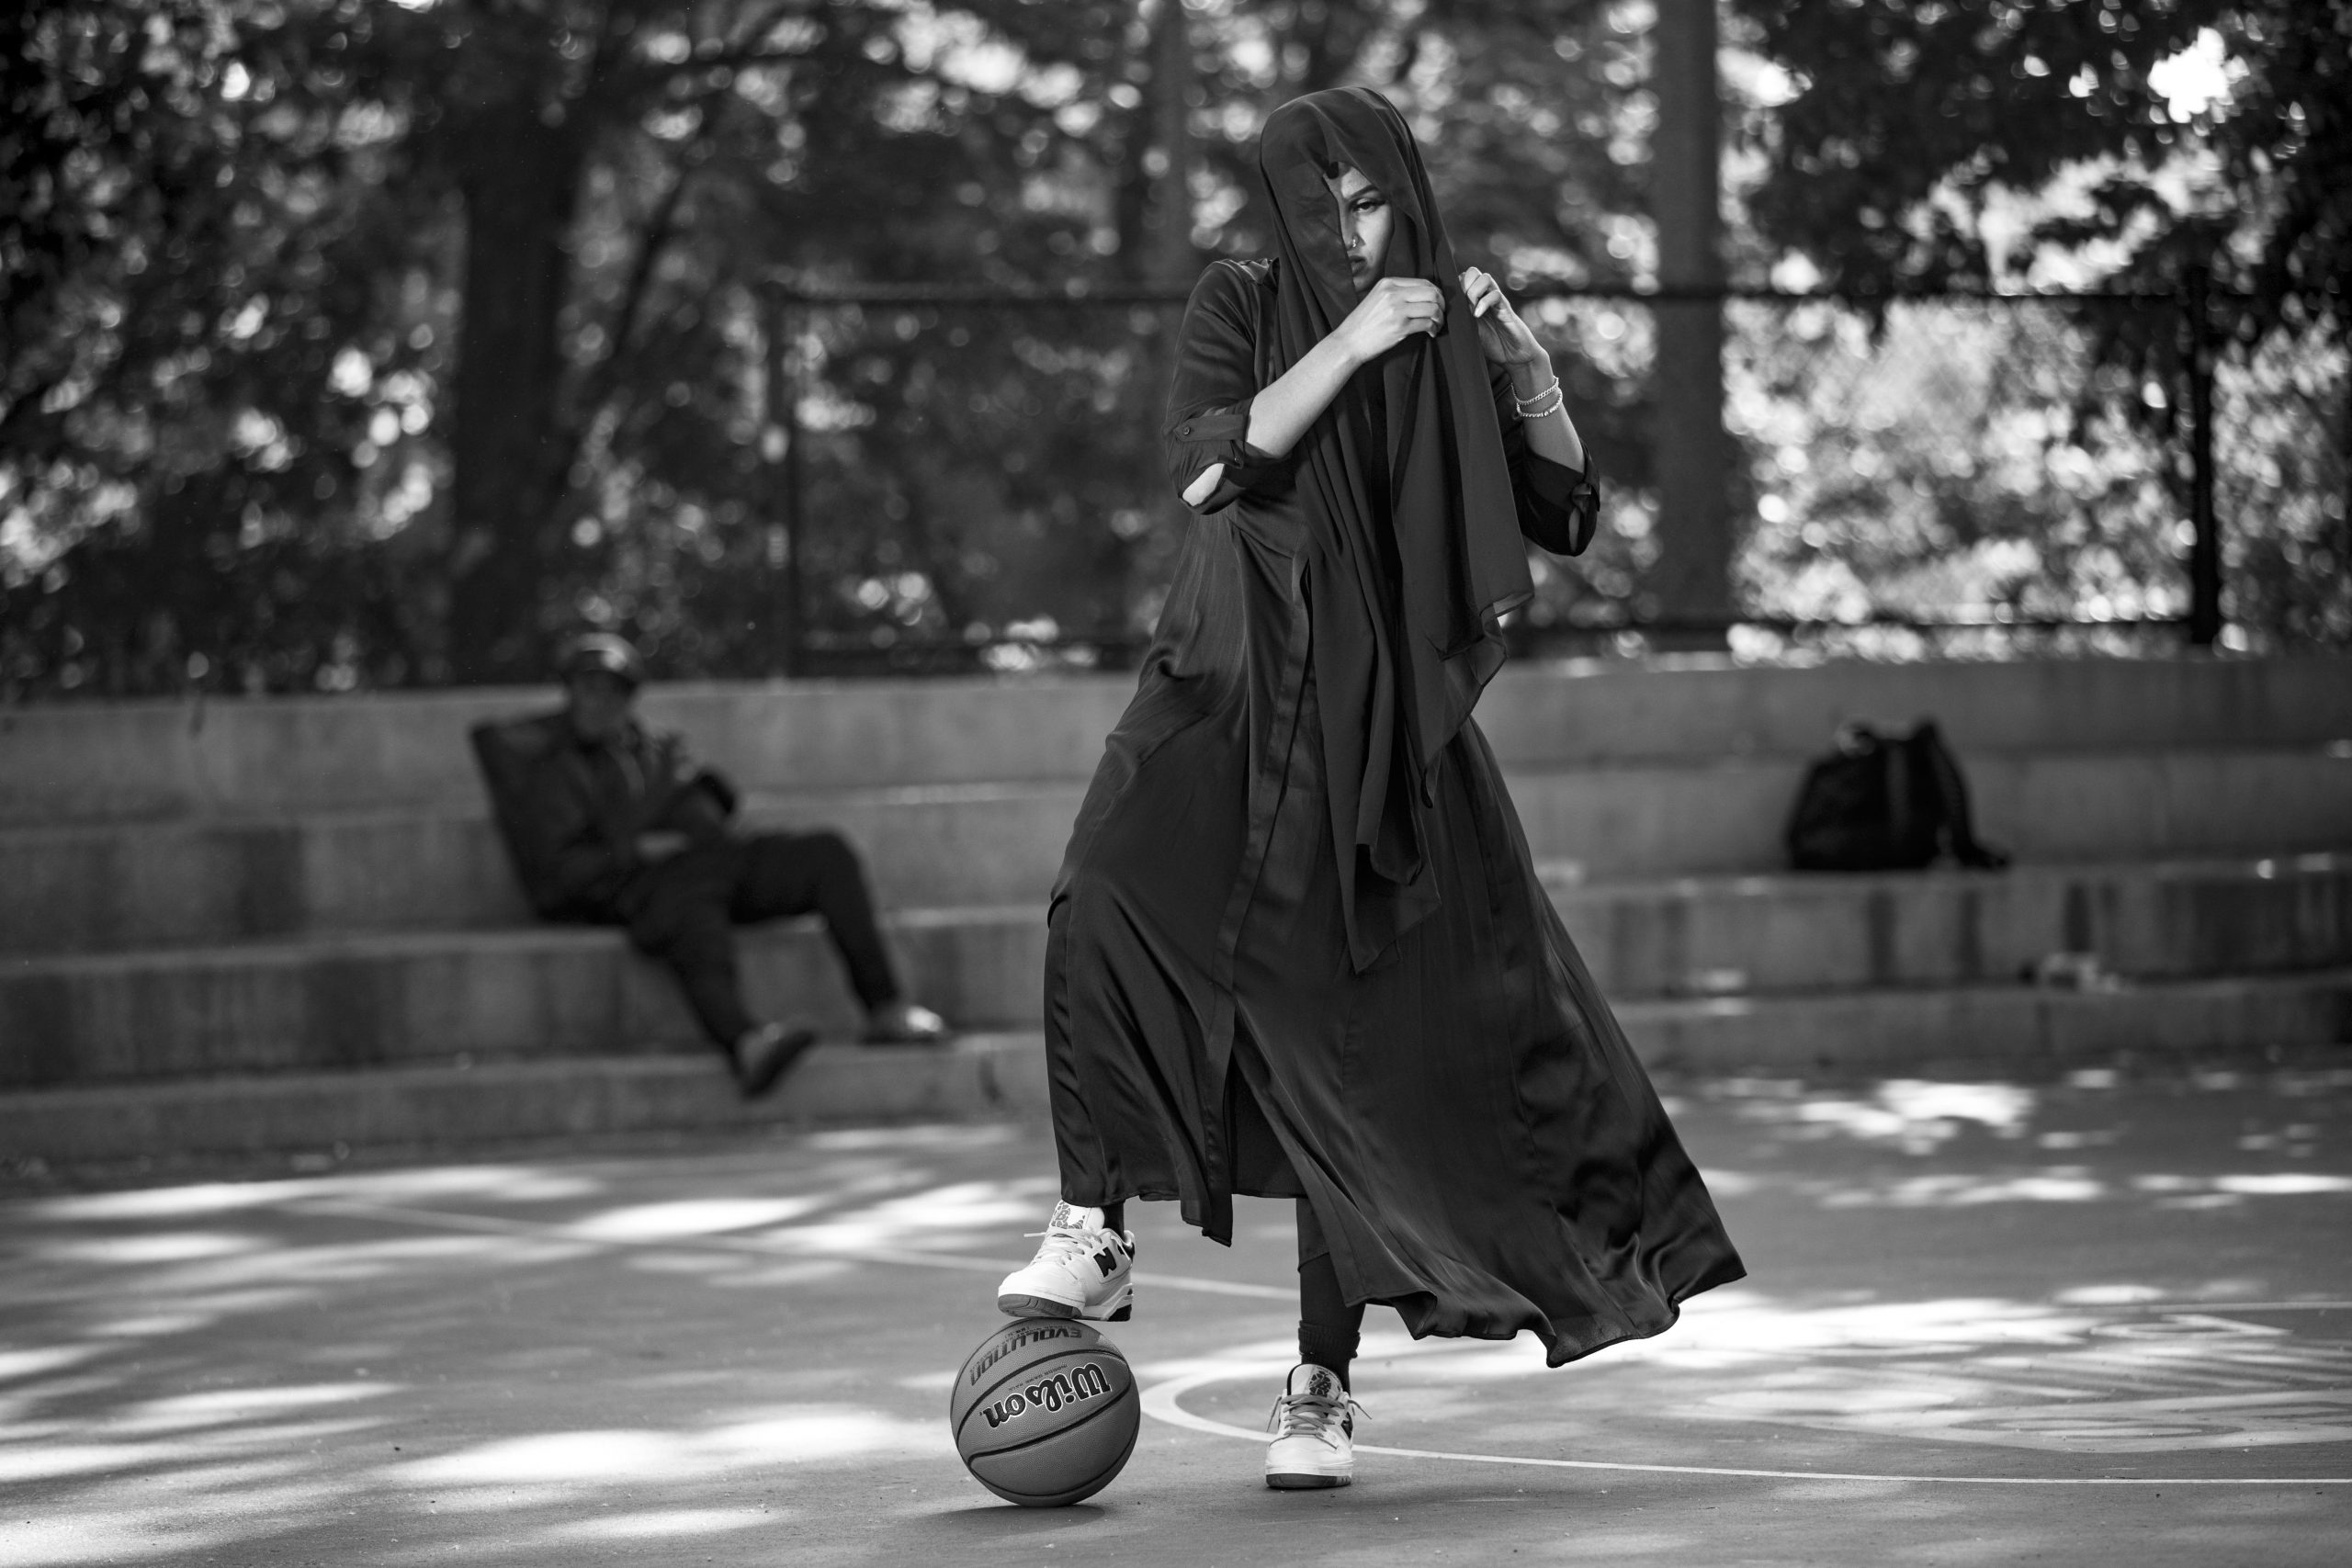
column 1329, row 1323
column 678, row 912
column 796, row 874
column 1952, row 793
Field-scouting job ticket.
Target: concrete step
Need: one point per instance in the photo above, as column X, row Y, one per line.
column 2028, row 1031
column 147, row 761
column 406, row 997
column 95, row 889
column 539, row 991
column 1725, row 816
column 1810, row 932
column 116, row 887
column 293, row 756
column 2009, row 1032
column 444, row 1104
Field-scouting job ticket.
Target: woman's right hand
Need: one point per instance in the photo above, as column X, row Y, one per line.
column 1392, row 309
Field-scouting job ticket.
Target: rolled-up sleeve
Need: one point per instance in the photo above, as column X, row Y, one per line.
column 1216, row 381
column 1559, row 508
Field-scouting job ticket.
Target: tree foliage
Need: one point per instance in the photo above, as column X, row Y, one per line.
column 192, row 220
column 372, row 342
column 361, row 343
column 2121, row 145
column 1907, row 125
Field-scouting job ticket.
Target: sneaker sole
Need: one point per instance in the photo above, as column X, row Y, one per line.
column 1121, row 1307
column 1298, row 1480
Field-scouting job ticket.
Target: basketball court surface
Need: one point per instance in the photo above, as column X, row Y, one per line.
column 2098, row 1321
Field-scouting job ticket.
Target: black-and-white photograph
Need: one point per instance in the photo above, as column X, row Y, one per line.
column 1195, row 782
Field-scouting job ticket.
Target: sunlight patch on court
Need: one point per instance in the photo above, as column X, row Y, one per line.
column 830, row 1434
column 1917, row 1115
column 476, row 1183
column 928, row 1216
column 691, row 1217
column 661, row 1524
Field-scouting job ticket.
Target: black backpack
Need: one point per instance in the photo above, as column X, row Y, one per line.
column 1884, row 803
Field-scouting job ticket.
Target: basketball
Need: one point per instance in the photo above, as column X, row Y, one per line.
column 1045, row 1411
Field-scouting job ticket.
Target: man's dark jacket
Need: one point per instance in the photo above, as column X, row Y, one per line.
column 571, row 810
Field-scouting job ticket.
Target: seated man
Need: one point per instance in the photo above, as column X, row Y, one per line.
column 613, row 824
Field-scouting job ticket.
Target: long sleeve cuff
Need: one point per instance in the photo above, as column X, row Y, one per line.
column 1562, row 504
column 1221, row 435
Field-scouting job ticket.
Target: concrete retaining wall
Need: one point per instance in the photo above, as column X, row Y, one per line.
column 259, row 911
column 274, row 756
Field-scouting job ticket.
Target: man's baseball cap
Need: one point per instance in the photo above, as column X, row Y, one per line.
column 603, row 652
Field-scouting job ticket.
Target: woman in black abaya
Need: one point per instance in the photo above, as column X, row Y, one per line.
column 1297, row 947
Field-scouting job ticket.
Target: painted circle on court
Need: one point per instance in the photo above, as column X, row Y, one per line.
column 1163, row 1401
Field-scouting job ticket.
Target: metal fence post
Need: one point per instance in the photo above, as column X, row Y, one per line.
column 785, row 382
column 1692, row 453
column 2205, row 546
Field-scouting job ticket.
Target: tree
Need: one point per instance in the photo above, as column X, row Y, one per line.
column 189, row 226
column 2142, row 144
column 452, row 317
column 1907, row 121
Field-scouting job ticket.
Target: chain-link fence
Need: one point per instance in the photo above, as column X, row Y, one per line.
column 917, row 480
column 978, row 484
column 974, row 482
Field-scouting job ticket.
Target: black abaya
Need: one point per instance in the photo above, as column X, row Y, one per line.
column 1422, row 1056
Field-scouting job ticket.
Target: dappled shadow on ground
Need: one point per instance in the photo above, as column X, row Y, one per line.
column 2179, row 1142
column 742, row 1355
column 529, row 1359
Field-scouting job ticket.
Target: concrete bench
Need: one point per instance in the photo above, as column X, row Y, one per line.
column 533, row 991
column 118, row 887
column 298, row 906
column 141, row 761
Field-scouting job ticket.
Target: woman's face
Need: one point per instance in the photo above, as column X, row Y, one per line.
column 1365, row 219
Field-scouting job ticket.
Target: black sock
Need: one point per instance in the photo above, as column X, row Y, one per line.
column 1115, row 1217
column 1326, row 1323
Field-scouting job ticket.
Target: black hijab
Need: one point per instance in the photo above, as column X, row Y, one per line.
column 1421, row 554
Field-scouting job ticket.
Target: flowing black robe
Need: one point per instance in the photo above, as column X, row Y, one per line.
column 1481, row 1147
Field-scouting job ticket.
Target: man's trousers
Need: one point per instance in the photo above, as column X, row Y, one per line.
column 682, row 912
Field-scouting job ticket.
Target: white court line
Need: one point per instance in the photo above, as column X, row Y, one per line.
column 2206, row 1303
column 1164, row 1400
column 762, row 1245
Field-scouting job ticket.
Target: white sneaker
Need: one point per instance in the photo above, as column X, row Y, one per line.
column 1080, row 1271
column 1314, row 1424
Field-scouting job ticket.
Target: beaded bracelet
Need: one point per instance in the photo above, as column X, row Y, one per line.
column 1544, row 404
column 1541, row 393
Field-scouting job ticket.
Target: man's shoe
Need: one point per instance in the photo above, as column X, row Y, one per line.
column 1080, row 1271
column 904, row 1023
column 1314, row 1424
column 762, row 1054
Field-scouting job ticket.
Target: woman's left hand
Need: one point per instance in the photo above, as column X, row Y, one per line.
column 1502, row 336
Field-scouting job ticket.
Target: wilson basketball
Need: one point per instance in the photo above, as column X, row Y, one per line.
column 1045, row 1411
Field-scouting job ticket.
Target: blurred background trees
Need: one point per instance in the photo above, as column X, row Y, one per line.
column 2095, row 143
column 366, row 343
